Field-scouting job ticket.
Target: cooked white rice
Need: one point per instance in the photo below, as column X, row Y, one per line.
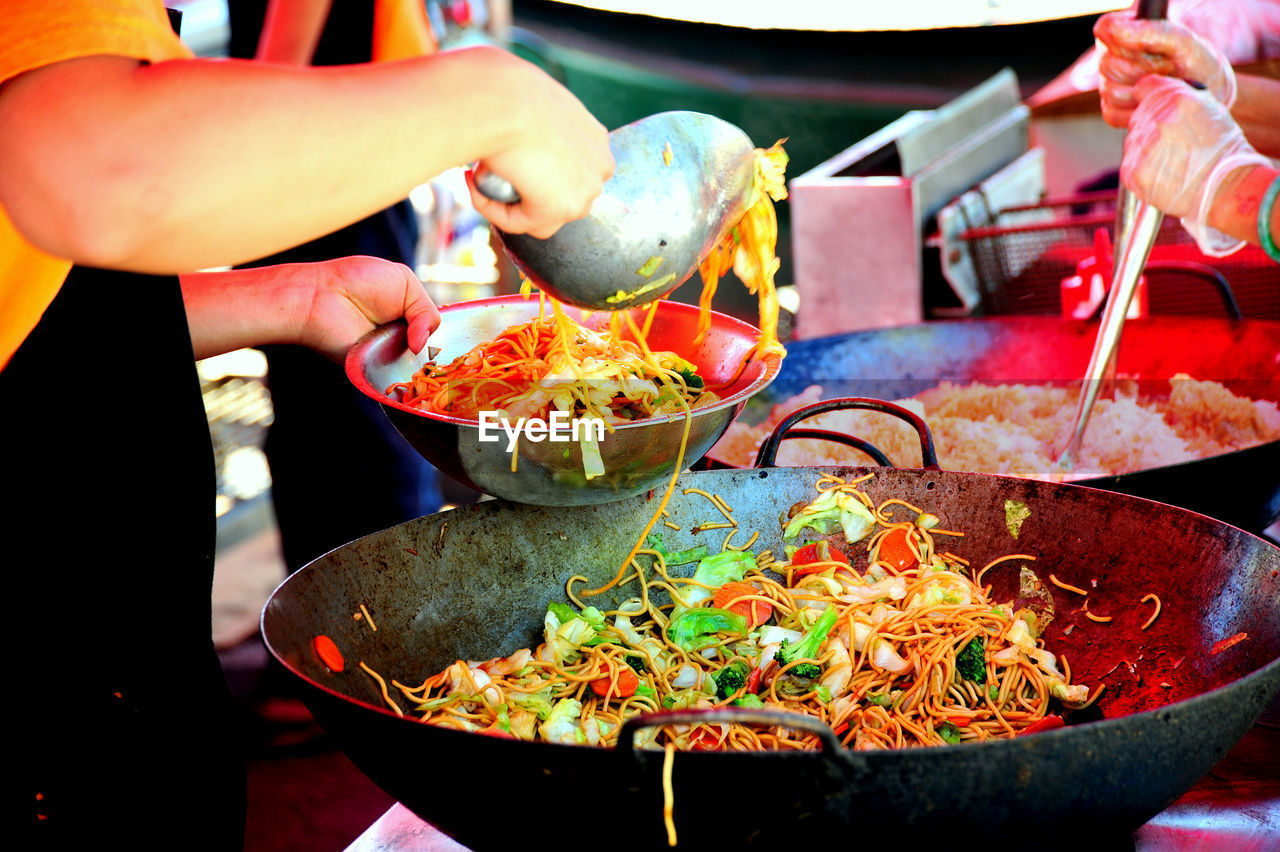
column 1021, row 429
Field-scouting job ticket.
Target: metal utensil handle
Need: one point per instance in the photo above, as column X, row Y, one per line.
column 1151, row 10
column 495, row 187
column 1137, row 224
column 1126, row 202
column 769, row 449
column 1129, row 264
column 729, row 715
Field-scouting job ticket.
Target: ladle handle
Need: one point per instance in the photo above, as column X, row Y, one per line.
column 495, row 187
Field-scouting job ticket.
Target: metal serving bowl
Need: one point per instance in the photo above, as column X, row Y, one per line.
column 637, row 456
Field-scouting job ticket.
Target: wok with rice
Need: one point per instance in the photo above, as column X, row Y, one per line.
column 1194, row 406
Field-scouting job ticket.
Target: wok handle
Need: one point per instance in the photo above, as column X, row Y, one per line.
column 848, row 440
column 769, row 449
column 728, row 715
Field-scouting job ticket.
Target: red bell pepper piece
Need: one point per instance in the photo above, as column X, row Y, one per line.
column 1048, row 723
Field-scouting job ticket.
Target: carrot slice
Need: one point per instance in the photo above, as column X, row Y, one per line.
column 1224, row 644
column 730, row 596
column 626, row 684
column 895, row 549
column 1047, row 723
column 327, row 651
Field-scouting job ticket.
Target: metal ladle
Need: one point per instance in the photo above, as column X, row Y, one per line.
column 681, row 181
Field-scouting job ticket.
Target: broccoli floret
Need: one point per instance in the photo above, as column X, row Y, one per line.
column 805, row 670
column 687, row 370
column 971, row 662
column 731, row 678
column 949, row 732
column 810, row 644
column 691, row 378
column 637, row 662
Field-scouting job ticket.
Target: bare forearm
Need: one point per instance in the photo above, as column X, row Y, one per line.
column 1235, row 208
column 1257, row 110
column 97, row 165
column 244, row 307
column 324, row 306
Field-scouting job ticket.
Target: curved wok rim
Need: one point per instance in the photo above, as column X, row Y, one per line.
column 1102, row 726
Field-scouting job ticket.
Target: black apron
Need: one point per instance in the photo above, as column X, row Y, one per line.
column 124, row 727
column 362, row 452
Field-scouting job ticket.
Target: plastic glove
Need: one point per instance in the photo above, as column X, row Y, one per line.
column 1181, row 144
column 1245, row 30
column 1134, row 48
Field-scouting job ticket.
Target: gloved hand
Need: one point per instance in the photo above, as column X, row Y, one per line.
column 1181, row 144
column 1134, row 48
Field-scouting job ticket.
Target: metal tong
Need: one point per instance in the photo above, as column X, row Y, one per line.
column 1137, row 224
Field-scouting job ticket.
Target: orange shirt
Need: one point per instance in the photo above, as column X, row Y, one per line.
column 35, row 33
column 401, row 30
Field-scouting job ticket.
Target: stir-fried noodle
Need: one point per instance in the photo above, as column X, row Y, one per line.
column 873, row 627
column 553, row 363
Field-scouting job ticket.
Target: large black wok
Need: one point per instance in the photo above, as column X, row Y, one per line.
column 1241, row 487
column 474, row 582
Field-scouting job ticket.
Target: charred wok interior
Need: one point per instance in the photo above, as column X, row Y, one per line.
column 1172, row 707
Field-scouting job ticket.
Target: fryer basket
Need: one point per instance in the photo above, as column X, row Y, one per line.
column 1022, row 258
